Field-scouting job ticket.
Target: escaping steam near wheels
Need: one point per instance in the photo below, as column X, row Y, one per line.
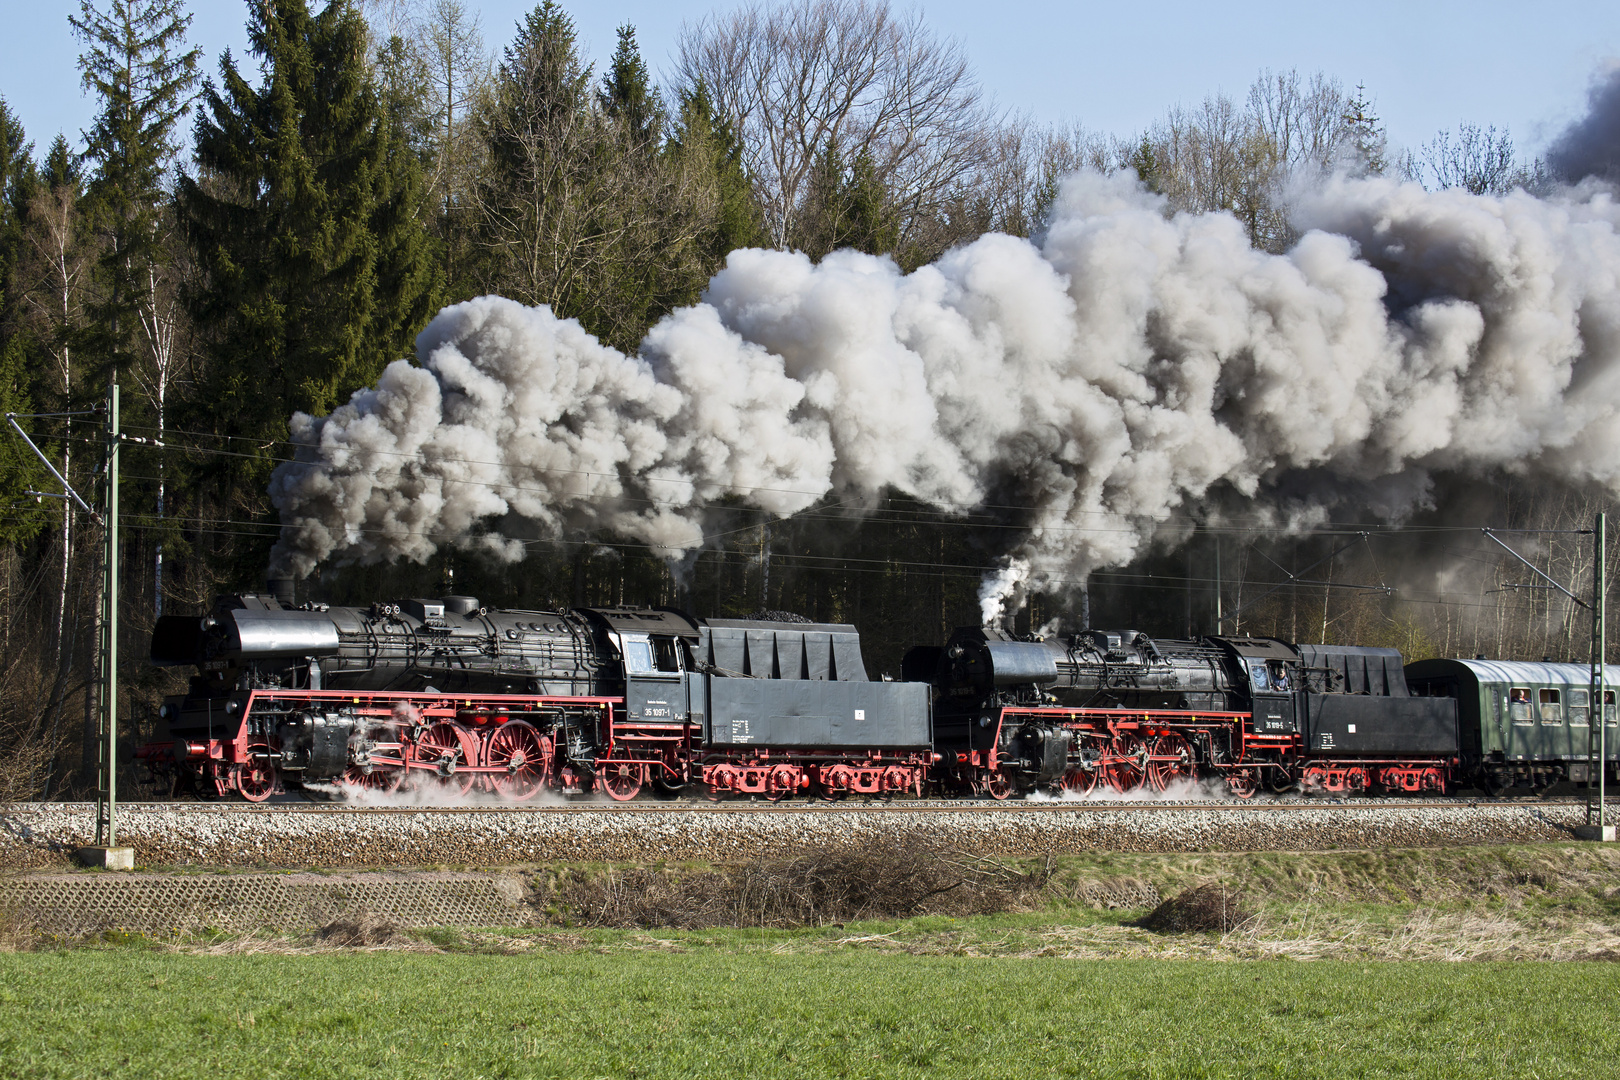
column 1124, row 367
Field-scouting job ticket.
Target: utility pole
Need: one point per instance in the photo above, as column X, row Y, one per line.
column 107, row 792
column 1597, row 716
column 105, row 852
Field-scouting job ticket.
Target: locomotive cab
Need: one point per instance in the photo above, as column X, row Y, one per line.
column 652, row 645
column 1272, row 671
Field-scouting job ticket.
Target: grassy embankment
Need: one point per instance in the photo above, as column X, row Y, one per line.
column 722, row 1012
column 1055, row 987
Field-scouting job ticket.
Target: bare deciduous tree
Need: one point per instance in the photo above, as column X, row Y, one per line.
column 453, row 43
column 1478, row 160
column 1304, row 118
column 794, row 79
column 55, row 265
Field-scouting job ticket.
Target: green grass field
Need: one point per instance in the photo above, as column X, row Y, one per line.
column 718, row 1012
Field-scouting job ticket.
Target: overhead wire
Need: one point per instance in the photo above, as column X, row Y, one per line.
column 865, row 511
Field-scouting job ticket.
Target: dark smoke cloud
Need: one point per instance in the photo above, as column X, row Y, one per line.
column 1590, row 147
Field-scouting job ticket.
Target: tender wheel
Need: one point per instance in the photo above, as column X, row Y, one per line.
column 834, row 784
column 621, row 781
column 1355, row 780
column 447, row 749
column 1241, row 784
column 517, row 749
column 256, row 777
column 783, row 780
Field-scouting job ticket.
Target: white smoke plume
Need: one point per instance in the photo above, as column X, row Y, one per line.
column 1003, row 586
column 1128, row 365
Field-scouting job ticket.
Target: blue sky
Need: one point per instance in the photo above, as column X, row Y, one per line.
column 1429, row 64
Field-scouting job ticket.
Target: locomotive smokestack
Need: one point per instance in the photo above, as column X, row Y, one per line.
column 282, row 589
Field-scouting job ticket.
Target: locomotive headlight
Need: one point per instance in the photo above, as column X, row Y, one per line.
column 166, row 712
column 232, row 708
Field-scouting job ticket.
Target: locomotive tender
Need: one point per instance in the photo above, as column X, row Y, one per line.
column 451, row 696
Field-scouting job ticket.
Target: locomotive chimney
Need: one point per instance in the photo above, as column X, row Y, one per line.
column 282, row 589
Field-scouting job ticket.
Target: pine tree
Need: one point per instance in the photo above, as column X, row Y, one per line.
column 18, row 183
column 18, row 178
column 315, row 269
column 628, row 96
column 1367, row 143
column 869, row 221
column 706, row 145
column 847, row 206
column 62, row 168
column 544, row 154
column 1149, row 169
column 137, row 63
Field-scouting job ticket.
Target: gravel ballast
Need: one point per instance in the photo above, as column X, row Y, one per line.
column 34, row 836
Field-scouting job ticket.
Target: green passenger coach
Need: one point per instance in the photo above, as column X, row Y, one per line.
column 1523, row 724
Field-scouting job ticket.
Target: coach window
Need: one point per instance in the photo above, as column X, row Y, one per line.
column 1519, row 705
column 1579, row 707
column 1552, row 710
column 1609, row 718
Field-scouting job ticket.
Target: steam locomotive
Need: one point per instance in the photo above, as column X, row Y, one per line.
column 448, row 694
column 451, row 696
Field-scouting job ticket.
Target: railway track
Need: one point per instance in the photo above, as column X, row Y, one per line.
column 335, row 836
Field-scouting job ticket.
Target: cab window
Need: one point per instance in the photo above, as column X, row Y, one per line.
column 1519, row 705
column 1579, row 707
column 638, row 655
column 1551, row 707
column 666, row 656
column 1258, row 678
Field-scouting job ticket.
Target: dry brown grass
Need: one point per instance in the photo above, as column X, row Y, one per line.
column 359, row 930
column 880, row 880
column 1214, row 907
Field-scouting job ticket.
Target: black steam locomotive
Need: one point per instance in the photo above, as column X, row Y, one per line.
column 1123, row 710
column 449, row 695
